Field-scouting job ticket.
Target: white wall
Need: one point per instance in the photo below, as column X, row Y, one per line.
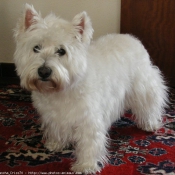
column 105, row 16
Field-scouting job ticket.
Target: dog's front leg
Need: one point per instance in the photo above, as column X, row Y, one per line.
column 56, row 144
column 90, row 148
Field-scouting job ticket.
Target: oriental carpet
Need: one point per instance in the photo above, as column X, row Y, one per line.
column 131, row 151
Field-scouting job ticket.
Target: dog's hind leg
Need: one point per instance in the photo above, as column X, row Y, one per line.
column 148, row 98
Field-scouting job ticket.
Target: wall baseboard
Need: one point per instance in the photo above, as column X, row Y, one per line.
column 8, row 74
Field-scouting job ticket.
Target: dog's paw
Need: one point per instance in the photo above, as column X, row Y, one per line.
column 86, row 168
column 151, row 127
column 53, row 146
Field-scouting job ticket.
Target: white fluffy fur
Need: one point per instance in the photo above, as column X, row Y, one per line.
column 90, row 86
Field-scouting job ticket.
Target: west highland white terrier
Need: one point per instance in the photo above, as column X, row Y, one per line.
column 81, row 87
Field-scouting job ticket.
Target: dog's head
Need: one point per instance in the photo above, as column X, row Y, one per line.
column 51, row 52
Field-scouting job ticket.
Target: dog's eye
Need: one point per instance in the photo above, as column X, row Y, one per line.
column 60, row 52
column 37, row 49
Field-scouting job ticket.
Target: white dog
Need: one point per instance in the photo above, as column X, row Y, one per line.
column 80, row 88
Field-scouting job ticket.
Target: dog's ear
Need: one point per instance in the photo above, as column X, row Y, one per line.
column 30, row 16
column 28, row 19
column 83, row 27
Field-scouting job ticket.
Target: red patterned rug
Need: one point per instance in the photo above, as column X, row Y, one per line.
column 132, row 151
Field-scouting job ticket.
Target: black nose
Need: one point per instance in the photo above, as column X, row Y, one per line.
column 44, row 72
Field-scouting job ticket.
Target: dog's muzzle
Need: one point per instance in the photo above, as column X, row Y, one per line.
column 44, row 72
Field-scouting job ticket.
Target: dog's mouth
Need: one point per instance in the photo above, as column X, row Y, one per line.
column 44, row 85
